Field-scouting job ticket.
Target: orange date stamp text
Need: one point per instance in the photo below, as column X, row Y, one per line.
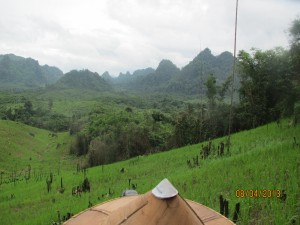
column 257, row 193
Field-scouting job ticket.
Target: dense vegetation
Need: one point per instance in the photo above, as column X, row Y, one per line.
column 19, row 108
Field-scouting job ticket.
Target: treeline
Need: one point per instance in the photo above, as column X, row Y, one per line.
column 22, row 110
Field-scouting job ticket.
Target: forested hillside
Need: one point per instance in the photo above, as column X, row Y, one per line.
column 83, row 79
column 194, row 75
column 18, row 73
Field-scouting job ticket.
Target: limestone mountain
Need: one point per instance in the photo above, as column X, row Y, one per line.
column 19, row 73
column 158, row 80
column 83, row 79
column 148, row 80
column 129, row 81
column 189, row 80
column 193, row 76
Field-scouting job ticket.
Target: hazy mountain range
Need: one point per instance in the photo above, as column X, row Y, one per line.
column 18, row 73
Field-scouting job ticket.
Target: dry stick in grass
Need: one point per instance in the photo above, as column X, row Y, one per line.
column 236, row 212
column 226, row 210
column 221, row 204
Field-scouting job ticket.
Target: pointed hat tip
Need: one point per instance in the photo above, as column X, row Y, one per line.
column 164, row 190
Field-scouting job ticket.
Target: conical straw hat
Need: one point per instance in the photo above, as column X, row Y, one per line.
column 161, row 206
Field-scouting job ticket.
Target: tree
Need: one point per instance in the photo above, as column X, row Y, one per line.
column 224, row 88
column 294, row 33
column 50, row 103
column 211, row 90
column 28, row 107
column 187, row 127
column 266, row 91
column 295, row 45
column 9, row 114
column 295, row 54
column 80, row 145
column 98, row 152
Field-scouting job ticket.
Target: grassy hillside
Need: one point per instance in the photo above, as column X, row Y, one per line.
column 22, row 145
column 265, row 158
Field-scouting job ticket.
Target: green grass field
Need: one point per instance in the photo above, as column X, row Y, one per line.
column 22, row 145
column 265, row 158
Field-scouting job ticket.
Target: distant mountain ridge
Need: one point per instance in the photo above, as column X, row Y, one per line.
column 127, row 77
column 168, row 78
column 18, row 73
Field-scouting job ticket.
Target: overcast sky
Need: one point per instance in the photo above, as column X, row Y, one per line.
column 125, row 35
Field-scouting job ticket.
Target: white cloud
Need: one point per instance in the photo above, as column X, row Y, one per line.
column 125, row 35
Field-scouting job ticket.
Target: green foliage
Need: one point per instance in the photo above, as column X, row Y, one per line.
column 185, row 125
column 211, row 90
column 24, row 112
column 198, row 124
column 295, row 54
column 98, row 152
column 266, row 91
column 121, row 134
column 80, row 145
column 295, row 43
